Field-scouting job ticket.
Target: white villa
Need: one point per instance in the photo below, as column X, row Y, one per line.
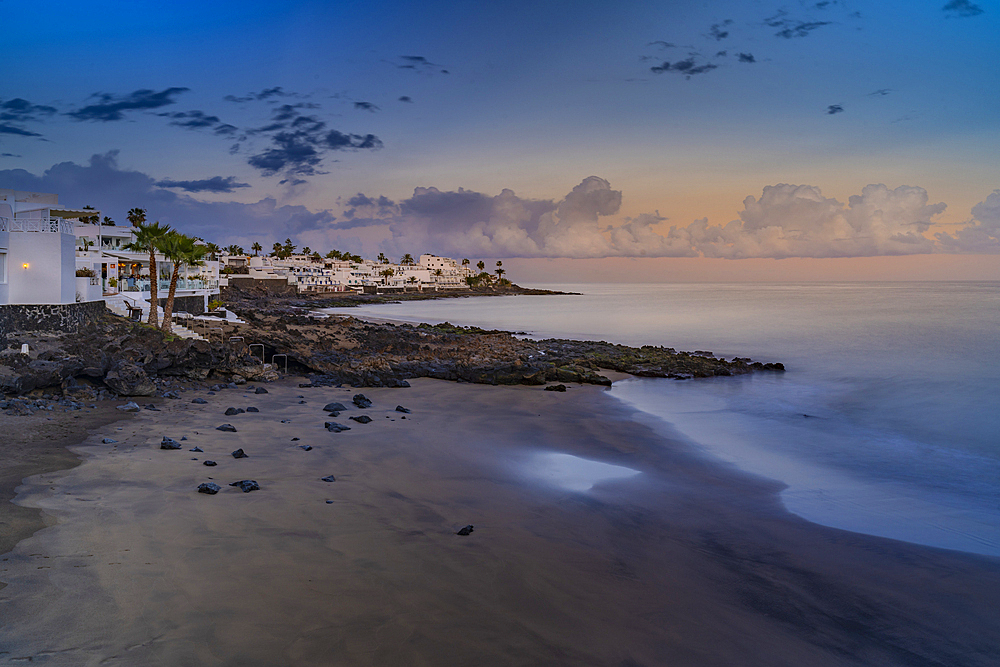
column 43, row 244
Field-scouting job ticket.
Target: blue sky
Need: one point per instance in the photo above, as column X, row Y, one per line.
column 680, row 111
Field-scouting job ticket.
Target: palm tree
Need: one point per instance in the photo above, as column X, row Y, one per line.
column 136, row 216
column 499, row 273
column 382, row 258
column 386, row 274
column 481, row 265
column 438, row 272
column 147, row 239
column 276, row 250
column 306, row 250
column 108, row 222
column 234, row 250
column 316, row 257
column 213, row 250
column 407, row 260
column 256, row 247
column 288, row 249
column 89, row 219
column 179, row 249
column 465, row 262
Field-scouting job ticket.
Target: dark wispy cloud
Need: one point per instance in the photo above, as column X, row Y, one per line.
column 405, row 98
column 17, row 131
column 199, row 120
column 419, row 64
column 688, row 67
column 792, row 27
column 746, row 58
column 961, row 9
column 662, row 45
column 366, row 106
column 300, row 141
column 718, row 31
column 112, row 108
column 263, row 95
column 20, row 110
column 367, row 209
column 10, row 155
column 881, row 92
column 214, row 184
column 834, row 109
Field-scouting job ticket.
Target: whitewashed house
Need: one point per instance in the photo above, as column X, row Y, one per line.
column 37, row 248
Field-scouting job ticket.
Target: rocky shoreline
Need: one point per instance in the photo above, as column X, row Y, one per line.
column 117, row 357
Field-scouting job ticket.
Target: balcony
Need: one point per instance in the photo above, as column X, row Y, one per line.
column 163, row 286
column 44, row 225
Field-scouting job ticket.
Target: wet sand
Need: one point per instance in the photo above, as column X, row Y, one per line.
column 689, row 562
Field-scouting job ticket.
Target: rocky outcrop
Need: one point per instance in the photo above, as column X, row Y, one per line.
column 129, row 379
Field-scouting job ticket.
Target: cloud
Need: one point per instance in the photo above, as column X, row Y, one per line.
column 366, row 106
column 834, row 109
column 214, row 184
column 10, row 155
column 688, row 67
column 405, row 98
column 299, row 142
column 21, row 132
column 791, row 28
column 197, row 120
column 20, row 110
column 881, row 92
column 264, row 95
column 717, row 33
column 111, row 108
column 982, row 232
column 419, row 64
column 961, row 9
column 746, row 58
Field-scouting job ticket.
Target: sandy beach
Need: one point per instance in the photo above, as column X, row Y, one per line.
column 684, row 562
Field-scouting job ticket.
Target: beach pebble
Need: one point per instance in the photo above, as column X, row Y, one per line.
column 329, row 478
column 329, row 502
column 334, row 427
column 334, row 407
column 286, row 421
column 196, row 449
column 152, row 407
column 295, row 439
column 260, row 390
column 246, row 485
column 556, row 387
column 199, row 401
column 301, row 402
column 169, row 443
column 229, row 428
column 131, row 406
column 108, row 441
column 402, row 417
column 361, row 401
column 210, row 463
column 231, row 411
column 171, row 394
column 361, row 419
column 400, row 408
column 210, row 488
column 211, row 393
column 465, row 531
column 240, row 454
column 252, row 409
column 306, row 447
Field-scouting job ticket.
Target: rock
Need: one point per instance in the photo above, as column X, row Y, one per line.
column 169, row 443
column 240, row 454
column 465, row 531
column 196, row 449
column 556, row 387
column 295, row 439
column 131, row 406
column 199, row 401
column 260, row 390
column 252, row 409
column 334, row 427
column 400, row 408
column 171, row 394
column 108, row 441
column 238, row 379
column 246, row 485
column 234, row 411
column 306, row 447
column 211, row 488
column 229, row 428
column 334, row 407
column 329, row 478
column 362, row 401
column 216, row 387
column 329, row 502
column 151, row 408
column 210, row 463
column 129, row 379
column 302, row 402
column 361, row 419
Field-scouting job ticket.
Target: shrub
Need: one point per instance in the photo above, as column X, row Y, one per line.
column 214, row 303
column 85, row 273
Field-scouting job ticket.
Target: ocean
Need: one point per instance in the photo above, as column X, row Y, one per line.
column 886, row 421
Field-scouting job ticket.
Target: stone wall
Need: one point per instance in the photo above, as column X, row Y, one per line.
column 187, row 304
column 63, row 317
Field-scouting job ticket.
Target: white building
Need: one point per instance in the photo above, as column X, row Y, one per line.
column 37, row 248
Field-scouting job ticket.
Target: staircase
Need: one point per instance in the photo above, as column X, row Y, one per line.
column 119, row 305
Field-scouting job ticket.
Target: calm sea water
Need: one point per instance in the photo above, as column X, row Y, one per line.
column 887, row 420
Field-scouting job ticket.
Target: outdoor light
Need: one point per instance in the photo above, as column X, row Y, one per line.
column 24, row 266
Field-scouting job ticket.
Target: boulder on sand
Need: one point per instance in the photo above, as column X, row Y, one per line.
column 209, row 487
column 334, row 407
column 400, row 408
column 240, row 454
column 334, row 427
column 169, row 443
column 362, row 401
column 246, row 485
column 361, row 419
column 129, row 379
column 229, row 428
column 131, row 406
column 465, row 531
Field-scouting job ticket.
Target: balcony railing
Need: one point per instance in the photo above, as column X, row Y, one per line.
column 47, row 225
column 163, row 286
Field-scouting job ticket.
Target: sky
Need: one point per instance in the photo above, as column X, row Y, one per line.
column 750, row 140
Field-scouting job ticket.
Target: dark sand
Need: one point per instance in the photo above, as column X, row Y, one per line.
column 689, row 563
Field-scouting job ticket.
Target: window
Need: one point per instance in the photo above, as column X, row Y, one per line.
column 3, row 267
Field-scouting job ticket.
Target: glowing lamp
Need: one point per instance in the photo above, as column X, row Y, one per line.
column 24, row 266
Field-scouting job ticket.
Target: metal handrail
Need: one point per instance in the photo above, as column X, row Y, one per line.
column 261, row 346
column 273, row 357
column 235, row 338
column 49, row 225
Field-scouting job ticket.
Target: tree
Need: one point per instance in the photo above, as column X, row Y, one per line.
column 412, row 280
column 256, row 247
column 306, row 250
column 407, row 260
column 382, row 259
column 288, row 249
column 465, row 262
column 334, row 254
column 108, row 222
column 89, row 219
column 386, row 274
column 276, row 250
column 234, row 250
column 316, row 257
column 499, row 273
column 213, row 250
column 481, row 265
column 438, row 272
column 147, row 239
column 136, row 216
column 178, row 249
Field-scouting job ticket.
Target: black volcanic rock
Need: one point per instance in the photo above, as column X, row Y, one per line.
column 240, row 454
column 334, row 407
column 400, row 408
column 361, row 419
column 246, row 485
column 362, row 401
column 334, row 427
column 465, row 531
column 229, row 428
column 209, row 487
column 260, row 390
column 199, row 401
column 329, row 478
column 210, row 463
column 169, row 443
